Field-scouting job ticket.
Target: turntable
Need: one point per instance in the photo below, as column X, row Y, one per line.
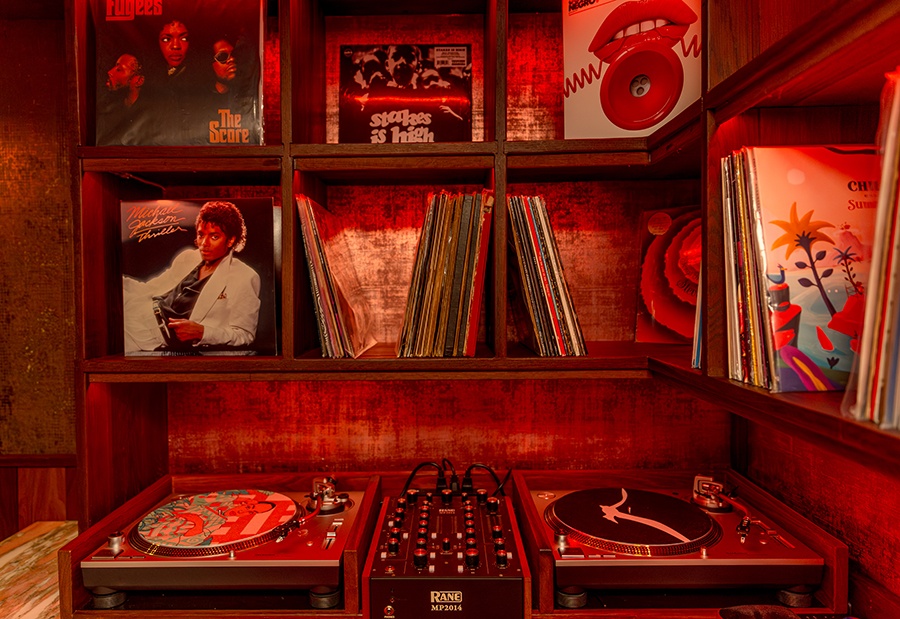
column 596, row 537
column 240, row 538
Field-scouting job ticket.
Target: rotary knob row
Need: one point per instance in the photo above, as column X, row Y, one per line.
column 414, row 494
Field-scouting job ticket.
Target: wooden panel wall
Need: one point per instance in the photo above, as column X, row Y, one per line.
column 394, row 425
column 856, row 503
column 35, row 488
column 37, row 340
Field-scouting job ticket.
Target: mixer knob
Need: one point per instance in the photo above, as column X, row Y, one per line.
column 401, row 503
column 502, row 559
column 499, row 543
column 471, row 542
column 421, row 542
column 470, row 524
column 472, row 558
column 394, row 532
column 445, row 544
column 481, row 495
column 493, row 505
column 399, row 514
column 393, row 545
column 469, row 515
column 422, row 532
column 470, row 533
column 412, row 495
column 496, row 531
column 446, row 496
column 420, row 557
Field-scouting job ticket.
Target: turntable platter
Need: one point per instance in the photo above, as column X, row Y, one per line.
column 632, row 522
column 213, row 524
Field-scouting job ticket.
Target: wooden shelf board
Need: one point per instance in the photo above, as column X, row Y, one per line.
column 174, row 156
column 605, row 360
column 815, row 417
column 842, row 60
column 333, row 151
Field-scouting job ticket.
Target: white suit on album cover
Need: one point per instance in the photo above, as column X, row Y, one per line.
column 227, row 307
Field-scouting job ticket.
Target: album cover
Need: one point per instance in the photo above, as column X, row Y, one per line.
column 813, row 227
column 178, row 72
column 399, row 94
column 671, row 251
column 199, row 276
column 629, row 66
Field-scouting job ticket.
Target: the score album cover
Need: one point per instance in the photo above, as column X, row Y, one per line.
column 178, row 72
column 630, row 65
column 398, row 94
column 199, row 276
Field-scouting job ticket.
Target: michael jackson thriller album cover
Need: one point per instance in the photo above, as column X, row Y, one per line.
column 178, row 72
column 399, row 94
column 199, row 276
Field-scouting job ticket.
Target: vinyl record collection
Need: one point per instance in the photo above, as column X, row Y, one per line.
column 555, row 328
column 341, row 306
column 872, row 392
column 444, row 302
column 799, row 225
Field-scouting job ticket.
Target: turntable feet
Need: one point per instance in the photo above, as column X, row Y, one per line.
column 796, row 597
column 105, row 598
column 571, row 597
column 321, row 597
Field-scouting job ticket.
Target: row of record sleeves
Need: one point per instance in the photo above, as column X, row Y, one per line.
column 555, row 329
column 444, row 302
column 799, row 226
column 444, row 299
column 872, row 391
column 812, row 239
column 199, row 277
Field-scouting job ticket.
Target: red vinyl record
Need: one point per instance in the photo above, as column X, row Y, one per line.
column 682, row 262
column 662, row 303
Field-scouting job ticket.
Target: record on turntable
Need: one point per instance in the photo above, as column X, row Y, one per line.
column 632, row 522
column 213, row 524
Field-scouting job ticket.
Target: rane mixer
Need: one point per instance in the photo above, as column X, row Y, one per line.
column 230, row 539
column 447, row 551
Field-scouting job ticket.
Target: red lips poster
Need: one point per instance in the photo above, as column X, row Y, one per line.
column 630, row 65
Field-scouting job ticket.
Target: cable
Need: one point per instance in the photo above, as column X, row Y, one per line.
column 468, row 486
column 441, row 481
column 454, row 478
column 503, row 483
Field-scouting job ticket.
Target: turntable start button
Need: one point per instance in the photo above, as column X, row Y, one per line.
column 571, row 553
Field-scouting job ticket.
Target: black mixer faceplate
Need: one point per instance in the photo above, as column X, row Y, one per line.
column 632, row 522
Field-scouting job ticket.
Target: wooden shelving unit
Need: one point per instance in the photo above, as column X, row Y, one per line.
column 807, row 73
